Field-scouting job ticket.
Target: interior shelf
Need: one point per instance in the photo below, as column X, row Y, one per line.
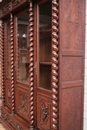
column 45, row 63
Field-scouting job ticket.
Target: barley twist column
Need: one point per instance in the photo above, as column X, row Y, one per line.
column 31, row 64
column 2, row 62
column 55, row 64
column 12, row 61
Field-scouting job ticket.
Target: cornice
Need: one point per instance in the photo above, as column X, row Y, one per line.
column 7, row 6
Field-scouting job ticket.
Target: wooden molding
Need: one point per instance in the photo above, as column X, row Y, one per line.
column 55, row 64
column 31, row 65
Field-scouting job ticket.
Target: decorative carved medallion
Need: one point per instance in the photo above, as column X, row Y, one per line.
column 9, row 6
column 44, row 113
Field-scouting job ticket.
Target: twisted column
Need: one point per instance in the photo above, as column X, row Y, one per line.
column 2, row 76
column 55, row 64
column 12, row 60
column 31, row 64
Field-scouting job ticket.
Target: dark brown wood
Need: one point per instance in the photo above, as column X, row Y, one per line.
column 12, row 60
column 31, row 64
column 55, row 64
column 2, row 62
column 43, row 89
column 71, row 64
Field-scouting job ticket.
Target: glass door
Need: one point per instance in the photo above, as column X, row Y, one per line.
column 22, row 65
column 44, row 65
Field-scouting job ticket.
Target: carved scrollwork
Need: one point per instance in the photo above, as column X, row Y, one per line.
column 44, row 113
column 12, row 60
column 55, row 63
column 9, row 119
column 31, row 64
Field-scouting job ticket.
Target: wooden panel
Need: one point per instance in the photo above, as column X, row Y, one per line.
column 44, row 112
column 71, row 104
column 71, row 68
column 72, row 23
column 71, row 64
column 8, row 94
column 22, row 104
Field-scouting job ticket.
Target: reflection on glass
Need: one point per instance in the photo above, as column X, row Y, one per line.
column 23, row 59
column 45, row 45
column 8, row 48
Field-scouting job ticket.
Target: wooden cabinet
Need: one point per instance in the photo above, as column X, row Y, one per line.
column 42, row 58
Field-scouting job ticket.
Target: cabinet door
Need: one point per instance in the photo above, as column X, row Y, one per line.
column 48, row 62
column 22, row 65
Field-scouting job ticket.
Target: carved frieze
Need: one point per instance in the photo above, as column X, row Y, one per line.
column 9, row 6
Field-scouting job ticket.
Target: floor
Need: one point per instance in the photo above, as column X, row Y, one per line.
column 2, row 127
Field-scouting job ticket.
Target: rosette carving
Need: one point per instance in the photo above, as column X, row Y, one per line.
column 31, row 63
column 12, row 60
column 55, row 64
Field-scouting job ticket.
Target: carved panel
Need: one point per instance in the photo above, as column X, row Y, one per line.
column 8, row 95
column 71, row 105
column 23, row 103
column 71, row 68
column 44, row 112
column 72, row 21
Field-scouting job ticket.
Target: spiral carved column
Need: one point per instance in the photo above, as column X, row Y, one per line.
column 12, row 61
column 55, row 64
column 31, row 64
column 2, row 62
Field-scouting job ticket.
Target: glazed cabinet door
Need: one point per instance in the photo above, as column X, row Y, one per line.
column 22, row 64
column 47, row 65
column 8, row 62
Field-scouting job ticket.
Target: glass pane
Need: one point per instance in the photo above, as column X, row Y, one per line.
column 23, row 58
column 8, row 48
column 45, row 17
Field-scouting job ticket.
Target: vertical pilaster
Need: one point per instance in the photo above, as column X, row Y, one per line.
column 31, row 64
column 12, row 60
column 2, row 82
column 55, row 64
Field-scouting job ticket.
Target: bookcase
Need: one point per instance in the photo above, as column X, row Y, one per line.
column 42, row 58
